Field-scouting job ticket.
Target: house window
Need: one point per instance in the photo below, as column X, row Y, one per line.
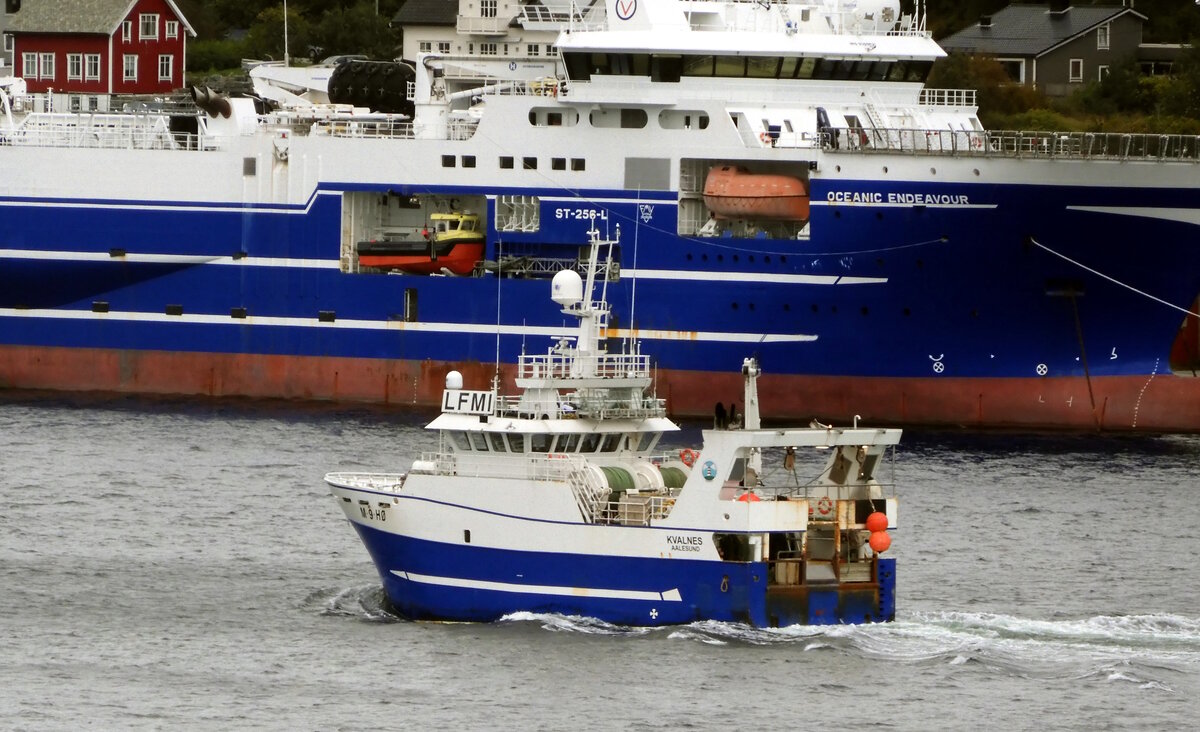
column 1076, row 69
column 126, row 31
column 166, row 64
column 29, row 67
column 148, row 27
column 487, row 8
column 92, row 66
column 75, row 66
column 1014, row 67
column 487, row 49
column 1101, row 72
column 443, row 46
column 8, row 42
column 1102, row 37
column 47, row 71
column 131, row 60
column 172, row 29
column 425, row 46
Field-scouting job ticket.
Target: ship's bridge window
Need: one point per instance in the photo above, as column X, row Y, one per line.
column 459, row 440
column 497, row 441
column 478, row 441
column 567, row 443
column 612, row 443
column 516, row 443
column 540, row 442
column 590, row 443
column 760, row 67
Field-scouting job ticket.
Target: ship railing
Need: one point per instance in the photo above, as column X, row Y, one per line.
column 1014, row 144
column 99, row 130
column 382, row 482
column 947, row 98
column 587, row 407
column 635, row 510
column 388, row 129
column 568, row 366
column 478, row 464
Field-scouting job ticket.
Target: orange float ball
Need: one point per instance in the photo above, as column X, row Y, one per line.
column 877, row 521
column 880, row 541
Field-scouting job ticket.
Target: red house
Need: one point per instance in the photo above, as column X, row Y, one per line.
column 97, row 47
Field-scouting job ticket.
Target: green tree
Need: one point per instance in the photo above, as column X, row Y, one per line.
column 265, row 38
column 996, row 93
column 1181, row 97
column 356, row 29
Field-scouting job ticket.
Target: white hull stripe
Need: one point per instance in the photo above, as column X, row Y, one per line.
column 593, row 592
column 1182, row 215
column 111, row 205
column 65, row 256
column 396, row 325
column 756, row 277
column 899, row 204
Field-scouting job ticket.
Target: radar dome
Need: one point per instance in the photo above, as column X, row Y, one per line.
column 453, row 380
column 566, row 288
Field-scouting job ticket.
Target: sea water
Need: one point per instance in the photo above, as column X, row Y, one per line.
column 177, row 564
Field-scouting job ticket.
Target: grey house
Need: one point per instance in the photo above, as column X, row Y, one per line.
column 1055, row 50
column 7, row 8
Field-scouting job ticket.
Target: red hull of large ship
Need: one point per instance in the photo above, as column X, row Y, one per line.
column 1164, row 402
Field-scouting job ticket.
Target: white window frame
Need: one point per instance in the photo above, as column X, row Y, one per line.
column 533, row 49
column 148, row 27
column 488, row 49
column 126, row 31
column 128, row 74
column 8, row 42
column 46, row 66
column 425, row 47
column 1075, row 70
column 29, row 65
column 74, row 67
column 487, row 8
column 91, row 67
column 443, row 46
column 169, row 60
column 1103, row 37
column 1101, row 72
column 1015, row 60
column 172, row 29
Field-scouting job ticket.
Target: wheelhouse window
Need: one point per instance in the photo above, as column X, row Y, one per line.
column 148, row 27
column 130, row 64
column 1076, row 69
column 581, row 66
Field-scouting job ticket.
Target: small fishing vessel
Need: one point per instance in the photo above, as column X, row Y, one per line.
column 561, row 500
column 452, row 243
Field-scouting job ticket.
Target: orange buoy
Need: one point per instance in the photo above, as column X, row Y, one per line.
column 749, row 497
column 880, row 541
column 877, row 521
column 688, row 456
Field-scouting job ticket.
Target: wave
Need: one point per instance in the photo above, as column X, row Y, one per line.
column 367, row 602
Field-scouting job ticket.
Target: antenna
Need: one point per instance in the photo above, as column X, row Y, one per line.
column 285, row 37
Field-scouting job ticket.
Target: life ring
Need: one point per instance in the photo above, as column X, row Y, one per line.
column 765, row 138
column 688, row 456
column 824, row 506
column 977, row 142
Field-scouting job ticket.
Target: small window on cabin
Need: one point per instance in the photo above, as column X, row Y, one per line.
column 516, row 443
column 787, row 67
column 558, row 163
column 506, row 162
column 825, row 69
column 806, row 68
column 554, row 119
column 497, row 441
column 844, row 69
column 862, row 69
column 529, row 163
column 698, row 66
column 459, row 440
column 762, row 67
column 634, row 119
column 478, row 441
column 666, row 68
column 898, row 71
column 730, row 67
column 567, row 443
column 612, row 443
column 540, row 442
column 590, row 443
column 468, row 161
column 577, row 164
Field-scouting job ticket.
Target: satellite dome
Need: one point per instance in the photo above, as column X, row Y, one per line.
column 454, row 380
column 566, row 288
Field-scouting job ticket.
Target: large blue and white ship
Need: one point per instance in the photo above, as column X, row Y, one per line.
column 786, row 186
column 560, row 500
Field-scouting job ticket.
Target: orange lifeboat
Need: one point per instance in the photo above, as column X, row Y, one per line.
column 731, row 192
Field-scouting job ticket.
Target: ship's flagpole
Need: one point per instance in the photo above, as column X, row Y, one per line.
column 285, row 36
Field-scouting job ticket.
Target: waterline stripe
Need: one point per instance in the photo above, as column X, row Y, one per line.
column 753, row 277
column 136, row 258
column 1181, row 215
column 594, row 592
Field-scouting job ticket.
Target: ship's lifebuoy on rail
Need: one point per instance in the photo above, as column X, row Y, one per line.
column 688, row 456
column 824, row 506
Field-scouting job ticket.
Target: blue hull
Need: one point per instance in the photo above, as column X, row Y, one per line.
column 433, row 581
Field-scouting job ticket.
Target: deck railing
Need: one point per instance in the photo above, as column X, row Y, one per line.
column 1015, row 144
